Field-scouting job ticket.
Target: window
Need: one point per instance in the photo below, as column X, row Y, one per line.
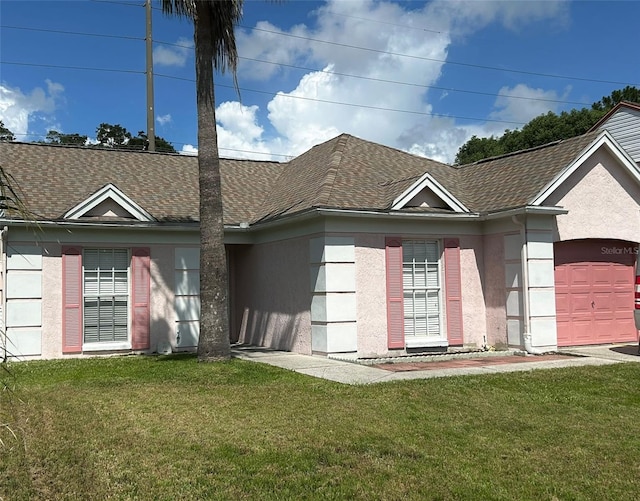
column 422, row 289
column 106, row 295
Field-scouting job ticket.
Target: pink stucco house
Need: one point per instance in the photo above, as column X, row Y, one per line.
column 352, row 248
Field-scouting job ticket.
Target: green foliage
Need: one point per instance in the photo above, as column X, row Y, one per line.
column 544, row 129
column 55, row 137
column 116, row 136
column 629, row 93
column 112, row 136
column 170, row 428
column 6, row 134
column 140, row 142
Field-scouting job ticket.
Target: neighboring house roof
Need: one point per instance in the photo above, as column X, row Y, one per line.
column 621, row 105
column 623, row 123
column 343, row 173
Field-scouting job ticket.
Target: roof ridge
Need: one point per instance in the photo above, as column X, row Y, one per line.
column 526, row 150
column 332, row 169
column 93, row 148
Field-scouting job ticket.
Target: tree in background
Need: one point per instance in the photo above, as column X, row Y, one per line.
column 55, row 137
column 544, row 129
column 141, row 141
column 116, row 136
column 6, row 134
column 215, row 48
column 112, row 136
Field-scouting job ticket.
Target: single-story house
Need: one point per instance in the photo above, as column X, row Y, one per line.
column 351, row 248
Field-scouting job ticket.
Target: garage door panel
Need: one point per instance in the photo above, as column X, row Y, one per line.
column 580, row 303
column 623, row 303
column 621, row 276
column 578, row 276
column 581, row 330
column 603, row 302
column 562, row 303
column 594, row 293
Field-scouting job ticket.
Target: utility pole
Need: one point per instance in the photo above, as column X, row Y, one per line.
column 151, row 130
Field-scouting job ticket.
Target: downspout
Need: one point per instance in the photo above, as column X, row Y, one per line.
column 3, row 293
column 524, row 257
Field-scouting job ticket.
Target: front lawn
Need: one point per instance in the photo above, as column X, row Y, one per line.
column 170, row 428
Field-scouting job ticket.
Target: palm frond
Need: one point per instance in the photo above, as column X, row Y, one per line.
column 224, row 15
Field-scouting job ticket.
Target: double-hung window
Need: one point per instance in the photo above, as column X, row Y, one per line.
column 105, row 297
column 422, row 291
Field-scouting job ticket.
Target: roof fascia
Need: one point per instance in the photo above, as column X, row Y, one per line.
column 144, row 225
column 427, row 181
column 527, row 209
column 604, row 139
column 109, row 191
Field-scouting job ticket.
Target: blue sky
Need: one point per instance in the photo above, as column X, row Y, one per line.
column 419, row 76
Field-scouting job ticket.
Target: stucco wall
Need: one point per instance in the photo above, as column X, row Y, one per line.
column 162, row 296
column 371, row 292
column 162, row 314
column 603, row 202
column 371, row 295
column 473, row 307
column 51, row 301
column 495, row 290
column 273, row 295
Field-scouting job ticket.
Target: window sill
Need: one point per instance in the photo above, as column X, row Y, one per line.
column 426, row 342
column 106, row 346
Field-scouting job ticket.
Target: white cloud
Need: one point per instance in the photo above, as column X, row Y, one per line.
column 301, row 116
column 189, row 149
column 173, row 55
column 522, row 103
column 18, row 109
column 164, row 119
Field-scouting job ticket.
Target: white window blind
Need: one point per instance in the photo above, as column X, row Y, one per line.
column 106, row 295
column 421, row 283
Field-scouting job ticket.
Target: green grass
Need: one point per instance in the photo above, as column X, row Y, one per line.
column 170, row 428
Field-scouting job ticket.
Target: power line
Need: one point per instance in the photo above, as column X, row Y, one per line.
column 319, row 70
column 256, row 91
column 368, row 49
column 84, row 68
column 340, row 103
column 445, row 61
column 62, row 32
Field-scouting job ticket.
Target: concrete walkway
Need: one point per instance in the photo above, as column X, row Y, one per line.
column 354, row 373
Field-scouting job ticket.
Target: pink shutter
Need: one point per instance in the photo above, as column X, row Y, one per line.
column 453, row 289
column 71, row 300
column 395, row 301
column 141, row 287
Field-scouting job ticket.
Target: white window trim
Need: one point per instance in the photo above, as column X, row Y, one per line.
column 430, row 341
column 105, row 346
column 109, row 345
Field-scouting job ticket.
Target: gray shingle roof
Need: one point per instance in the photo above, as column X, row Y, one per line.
column 53, row 179
column 513, row 180
column 343, row 173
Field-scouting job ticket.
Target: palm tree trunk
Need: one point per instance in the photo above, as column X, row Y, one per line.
column 214, row 317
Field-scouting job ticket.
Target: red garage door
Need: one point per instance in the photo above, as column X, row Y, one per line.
column 594, row 282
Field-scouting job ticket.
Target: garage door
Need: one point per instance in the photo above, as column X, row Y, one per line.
column 594, row 281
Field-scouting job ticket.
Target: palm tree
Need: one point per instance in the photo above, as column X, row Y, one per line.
column 215, row 48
